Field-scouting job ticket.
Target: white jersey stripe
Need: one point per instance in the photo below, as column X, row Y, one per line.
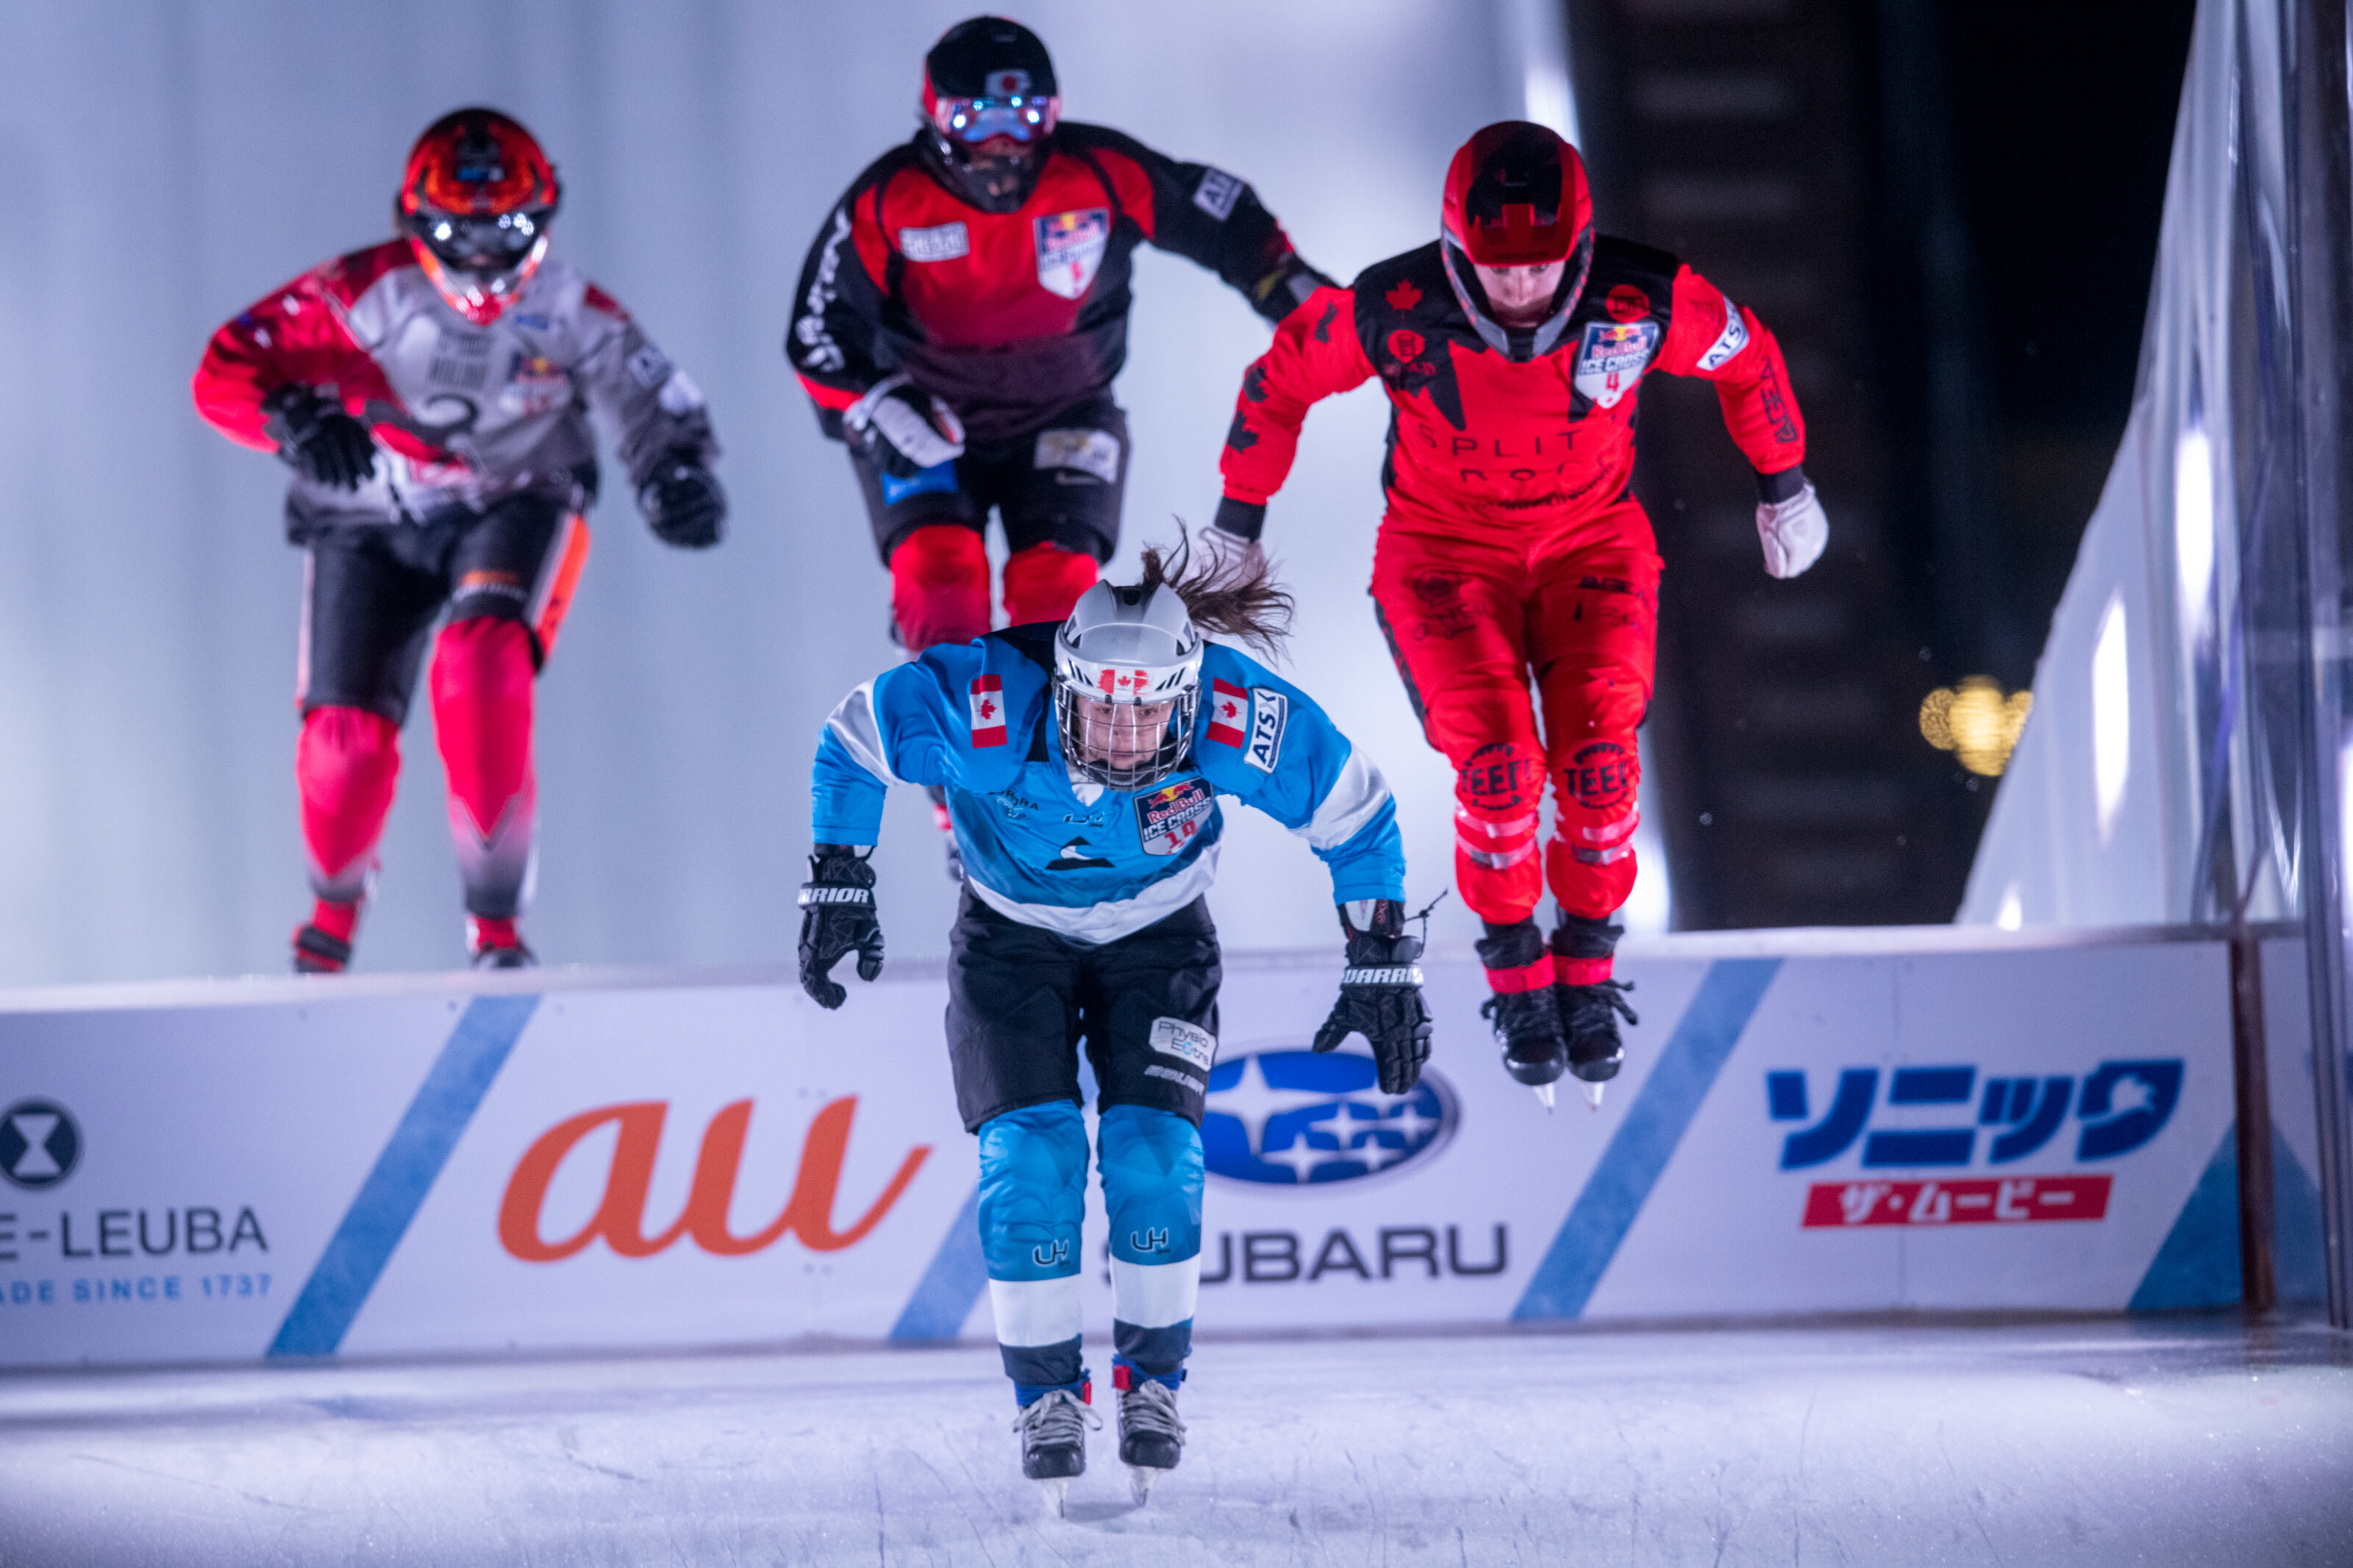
column 1093, row 925
column 854, row 725
column 1356, row 795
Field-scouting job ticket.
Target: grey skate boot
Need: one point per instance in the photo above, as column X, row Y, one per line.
column 1053, row 1428
column 1151, row 1434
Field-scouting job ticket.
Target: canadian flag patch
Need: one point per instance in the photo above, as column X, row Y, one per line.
column 987, row 710
column 1227, row 704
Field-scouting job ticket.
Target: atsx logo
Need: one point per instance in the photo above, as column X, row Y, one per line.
column 621, row 1216
column 1293, row 1119
column 2122, row 1106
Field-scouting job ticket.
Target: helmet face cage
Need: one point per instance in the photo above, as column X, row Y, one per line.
column 1080, row 691
column 1126, row 648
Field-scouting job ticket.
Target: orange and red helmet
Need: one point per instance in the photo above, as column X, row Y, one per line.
column 1516, row 196
column 475, row 203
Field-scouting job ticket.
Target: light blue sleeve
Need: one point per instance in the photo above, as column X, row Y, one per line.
column 917, row 724
column 1265, row 741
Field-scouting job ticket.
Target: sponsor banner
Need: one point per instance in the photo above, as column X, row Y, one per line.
column 460, row 1164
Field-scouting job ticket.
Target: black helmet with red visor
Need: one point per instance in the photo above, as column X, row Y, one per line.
column 1516, row 196
column 990, row 105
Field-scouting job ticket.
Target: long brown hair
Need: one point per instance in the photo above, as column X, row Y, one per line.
column 1237, row 598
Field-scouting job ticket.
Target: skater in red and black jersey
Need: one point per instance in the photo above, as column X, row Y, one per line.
column 964, row 311
column 1511, row 349
column 432, row 397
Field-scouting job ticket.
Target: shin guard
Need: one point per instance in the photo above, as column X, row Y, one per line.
column 939, row 586
column 346, row 765
column 1033, row 1200
column 482, row 675
column 1152, row 1177
column 1044, row 581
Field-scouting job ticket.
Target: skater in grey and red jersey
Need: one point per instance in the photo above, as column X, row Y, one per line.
column 432, row 394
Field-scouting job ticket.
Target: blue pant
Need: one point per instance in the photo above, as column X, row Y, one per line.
column 1033, row 1193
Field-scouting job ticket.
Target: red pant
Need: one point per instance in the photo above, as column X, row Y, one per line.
column 939, row 585
column 1470, row 612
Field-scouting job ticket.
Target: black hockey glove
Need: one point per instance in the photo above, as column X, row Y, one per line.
column 903, row 428
column 838, row 917
column 684, row 503
column 1380, row 995
column 317, row 440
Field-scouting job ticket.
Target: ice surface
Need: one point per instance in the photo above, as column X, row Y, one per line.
column 2144, row 1442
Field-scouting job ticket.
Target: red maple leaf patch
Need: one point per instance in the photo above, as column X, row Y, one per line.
column 1404, row 296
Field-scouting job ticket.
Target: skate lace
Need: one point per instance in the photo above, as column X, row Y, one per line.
column 1517, row 1012
column 1150, row 1407
column 1602, row 997
column 1055, row 1417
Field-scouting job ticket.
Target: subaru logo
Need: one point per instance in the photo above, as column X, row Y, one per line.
column 1295, row 1118
column 39, row 1144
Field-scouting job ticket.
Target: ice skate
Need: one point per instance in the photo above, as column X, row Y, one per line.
column 1525, row 1018
column 496, row 944
column 1591, row 1013
column 322, row 944
column 1151, row 1434
column 1053, row 1428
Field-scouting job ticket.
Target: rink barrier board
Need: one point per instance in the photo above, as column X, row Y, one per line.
column 1808, row 1123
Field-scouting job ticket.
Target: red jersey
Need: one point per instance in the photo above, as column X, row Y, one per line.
column 1012, row 316
column 1475, row 436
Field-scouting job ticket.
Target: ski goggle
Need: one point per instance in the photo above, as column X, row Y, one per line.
column 973, row 120
column 475, row 242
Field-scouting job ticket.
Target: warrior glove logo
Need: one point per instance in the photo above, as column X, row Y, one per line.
column 39, row 1144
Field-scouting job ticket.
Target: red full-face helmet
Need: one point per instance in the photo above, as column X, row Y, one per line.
column 1516, row 196
column 475, row 203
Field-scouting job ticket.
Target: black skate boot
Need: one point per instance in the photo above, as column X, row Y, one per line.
column 322, row 944
column 1053, row 1428
column 1151, row 1435
column 947, row 825
column 1590, row 1007
column 1525, row 1015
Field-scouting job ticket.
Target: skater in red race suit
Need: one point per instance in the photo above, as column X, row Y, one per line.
column 432, row 397
column 964, row 311
column 1512, row 350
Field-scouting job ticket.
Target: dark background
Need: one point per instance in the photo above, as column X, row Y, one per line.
column 1946, row 211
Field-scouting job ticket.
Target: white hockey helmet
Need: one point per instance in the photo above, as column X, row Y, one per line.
column 1126, row 648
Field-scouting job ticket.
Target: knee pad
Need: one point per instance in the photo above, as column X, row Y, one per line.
column 346, row 765
column 939, row 586
column 1044, row 581
column 1033, row 1191
column 1152, row 1177
column 482, row 674
column 1590, row 863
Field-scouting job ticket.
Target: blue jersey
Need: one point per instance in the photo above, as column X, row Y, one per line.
column 1052, row 848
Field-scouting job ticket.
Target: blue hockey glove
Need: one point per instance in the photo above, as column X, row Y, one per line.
column 1380, row 994
column 838, row 918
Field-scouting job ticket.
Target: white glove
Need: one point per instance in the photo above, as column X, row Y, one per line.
column 904, row 427
column 1793, row 533
column 1230, row 551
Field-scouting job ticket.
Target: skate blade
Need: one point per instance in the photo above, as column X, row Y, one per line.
column 1544, row 1093
column 1593, row 1095
column 1139, row 1484
column 1057, row 1493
